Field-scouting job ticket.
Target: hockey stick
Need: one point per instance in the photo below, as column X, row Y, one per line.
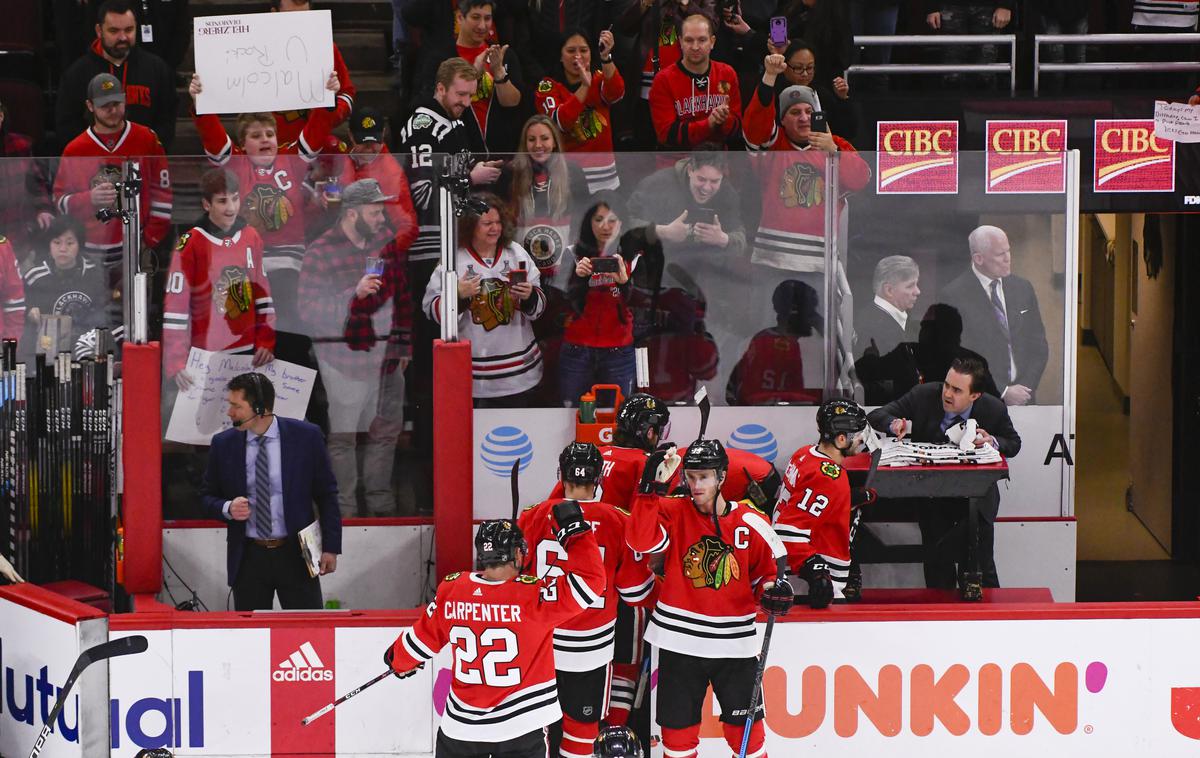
column 756, row 693
column 875, row 456
column 705, row 406
column 125, row 646
column 326, row 709
column 515, row 484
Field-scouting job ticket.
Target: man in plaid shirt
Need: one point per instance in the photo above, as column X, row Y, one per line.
column 352, row 290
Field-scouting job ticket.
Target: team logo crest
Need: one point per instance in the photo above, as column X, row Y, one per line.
column 74, row 304
column 422, row 120
column 107, row 85
column 368, row 123
column 492, row 307
column 545, row 86
column 106, row 175
column 487, row 86
column 545, row 244
column 831, row 469
column 232, row 293
column 588, row 126
column 269, row 208
column 802, row 186
column 710, row 563
column 452, row 577
column 723, row 88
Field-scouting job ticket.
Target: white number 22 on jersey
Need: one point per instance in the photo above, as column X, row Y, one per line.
column 499, row 646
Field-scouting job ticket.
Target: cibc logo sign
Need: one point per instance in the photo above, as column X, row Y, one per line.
column 303, row 665
column 1130, row 158
column 916, row 157
column 1026, row 156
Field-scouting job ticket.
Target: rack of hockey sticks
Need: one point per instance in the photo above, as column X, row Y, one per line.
column 59, row 425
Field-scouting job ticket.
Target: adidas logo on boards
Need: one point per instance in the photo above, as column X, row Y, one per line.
column 304, row 665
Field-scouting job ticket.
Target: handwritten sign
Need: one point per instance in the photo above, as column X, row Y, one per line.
column 199, row 412
column 263, row 61
column 1178, row 122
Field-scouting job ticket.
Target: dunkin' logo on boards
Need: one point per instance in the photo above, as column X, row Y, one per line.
column 1026, row 157
column 1130, row 158
column 916, row 157
column 963, row 701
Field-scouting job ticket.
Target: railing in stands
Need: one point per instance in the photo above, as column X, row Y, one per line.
column 945, row 40
column 1109, row 39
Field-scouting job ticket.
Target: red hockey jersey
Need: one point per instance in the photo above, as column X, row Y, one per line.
column 273, row 196
column 586, row 126
column 89, row 160
column 791, row 234
column 217, row 295
column 620, row 476
column 772, row 371
column 709, row 596
column 680, row 102
column 502, row 637
column 12, row 294
column 585, row 642
column 289, row 124
column 812, row 516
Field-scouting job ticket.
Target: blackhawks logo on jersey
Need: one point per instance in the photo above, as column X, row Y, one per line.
column 269, row 208
column 668, row 35
column 831, row 469
column 802, row 186
column 106, row 175
column 232, row 293
column 588, row 126
column 492, row 306
column 487, row 87
column 710, row 563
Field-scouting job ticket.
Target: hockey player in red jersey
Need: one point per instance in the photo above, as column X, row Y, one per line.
column 500, row 624
column 749, row 477
column 12, row 293
column 815, row 512
column 722, row 560
column 584, row 646
column 217, row 295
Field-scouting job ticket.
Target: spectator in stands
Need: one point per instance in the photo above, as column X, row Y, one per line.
column 697, row 99
column 356, row 266
column 499, row 295
column 826, row 25
column 545, row 24
column 25, row 206
column 91, row 169
column 655, row 26
column 885, row 336
column 965, row 17
column 737, row 44
column 1061, row 17
column 368, row 157
column 494, row 104
column 773, row 370
column 61, row 282
column 791, row 163
column 217, row 296
column 146, row 80
column 876, row 18
column 275, row 199
column 12, row 293
column 289, row 124
column 833, row 96
column 1001, row 319
column 544, row 191
column 690, row 208
column 578, row 98
column 598, row 340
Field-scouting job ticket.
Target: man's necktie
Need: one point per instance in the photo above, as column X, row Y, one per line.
column 262, row 490
column 998, row 307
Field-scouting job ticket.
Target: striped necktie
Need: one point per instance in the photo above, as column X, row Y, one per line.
column 262, row 490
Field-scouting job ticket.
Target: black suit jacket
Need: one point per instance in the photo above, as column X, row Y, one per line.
column 885, row 359
column 982, row 332
column 923, row 406
column 307, row 479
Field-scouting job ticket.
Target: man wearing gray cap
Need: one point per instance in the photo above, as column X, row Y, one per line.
column 356, row 302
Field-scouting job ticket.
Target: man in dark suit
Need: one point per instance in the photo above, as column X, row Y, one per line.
column 263, row 478
column 932, row 408
column 884, row 334
column 1001, row 320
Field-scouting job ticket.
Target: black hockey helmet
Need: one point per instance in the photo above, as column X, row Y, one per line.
column 580, row 463
column 704, row 454
column 836, row 417
column 497, row 542
column 617, row 742
column 639, row 413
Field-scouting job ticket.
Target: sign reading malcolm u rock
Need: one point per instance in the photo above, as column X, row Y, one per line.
column 1131, row 158
column 916, row 157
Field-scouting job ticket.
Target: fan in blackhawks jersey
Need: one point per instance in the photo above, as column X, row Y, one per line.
column 722, row 561
column 584, row 646
column 643, row 421
column 500, row 624
column 816, row 512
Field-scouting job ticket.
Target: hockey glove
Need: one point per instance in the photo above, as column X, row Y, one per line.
column 778, row 598
column 860, row 496
column 660, row 466
column 815, row 571
column 389, row 655
column 568, row 516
